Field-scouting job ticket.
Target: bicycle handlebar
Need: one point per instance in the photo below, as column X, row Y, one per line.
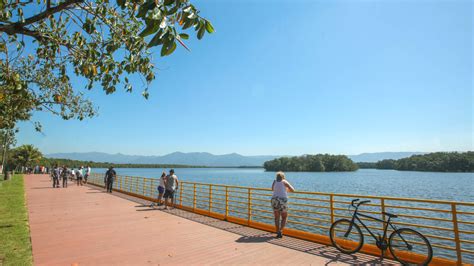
column 358, row 203
column 354, row 201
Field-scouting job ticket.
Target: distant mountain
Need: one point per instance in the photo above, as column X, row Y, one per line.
column 208, row 159
column 192, row 158
column 378, row 156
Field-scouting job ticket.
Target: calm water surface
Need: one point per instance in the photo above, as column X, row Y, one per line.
column 426, row 185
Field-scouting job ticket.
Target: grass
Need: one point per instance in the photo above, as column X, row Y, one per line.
column 15, row 244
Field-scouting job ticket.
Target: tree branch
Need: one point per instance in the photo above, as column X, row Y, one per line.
column 15, row 28
column 50, row 11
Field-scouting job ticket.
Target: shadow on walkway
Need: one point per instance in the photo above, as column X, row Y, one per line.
column 252, row 235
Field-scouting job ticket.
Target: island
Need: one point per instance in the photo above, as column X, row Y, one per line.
column 312, row 163
column 432, row 162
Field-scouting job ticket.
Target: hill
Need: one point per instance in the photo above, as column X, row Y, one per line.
column 208, row 159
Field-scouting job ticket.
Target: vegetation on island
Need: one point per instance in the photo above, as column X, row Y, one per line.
column 312, row 163
column 15, row 245
column 432, row 162
column 366, row 165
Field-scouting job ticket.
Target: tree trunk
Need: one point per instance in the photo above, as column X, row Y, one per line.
column 4, row 157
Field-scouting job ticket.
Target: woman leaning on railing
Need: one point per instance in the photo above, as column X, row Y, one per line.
column 280, row 188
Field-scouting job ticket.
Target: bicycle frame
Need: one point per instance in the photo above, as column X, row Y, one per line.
column 381, row 241
column 356, row 215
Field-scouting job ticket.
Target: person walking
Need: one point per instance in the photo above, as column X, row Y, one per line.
column 161, row 191
column 78, row 173
column 64, row 175
column 56, row 174
column 109, row 179
column 73, row 174
column 171, row 185
column 279, row 201
column 86, row 175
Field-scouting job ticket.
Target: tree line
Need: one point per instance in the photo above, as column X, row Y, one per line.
column 312, row 163
column 432, row 162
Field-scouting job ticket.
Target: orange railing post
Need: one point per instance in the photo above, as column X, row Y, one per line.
column 331, row 207
column 382, row 206
column 210, row 198
column 249, row 208
column 151, row 188
column 456, row 233
column 181, row 195
column 226, row 202
column 194, row 197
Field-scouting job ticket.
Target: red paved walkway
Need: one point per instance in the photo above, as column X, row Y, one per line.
column 85, row 226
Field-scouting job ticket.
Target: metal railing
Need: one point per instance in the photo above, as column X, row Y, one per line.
column 448, row 225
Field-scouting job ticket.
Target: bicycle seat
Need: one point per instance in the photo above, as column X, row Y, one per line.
column 390, row 215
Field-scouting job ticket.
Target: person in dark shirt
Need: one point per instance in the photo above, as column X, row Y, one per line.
column 64, row 175
column 109, row 179
column 56, row 173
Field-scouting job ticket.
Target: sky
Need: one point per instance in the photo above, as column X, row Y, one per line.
column 294, row 77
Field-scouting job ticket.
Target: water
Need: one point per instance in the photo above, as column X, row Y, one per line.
column 424, row 185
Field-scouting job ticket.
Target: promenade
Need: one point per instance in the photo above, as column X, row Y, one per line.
column 86, row 226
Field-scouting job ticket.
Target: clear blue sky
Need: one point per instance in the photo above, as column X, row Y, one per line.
column 295, row 77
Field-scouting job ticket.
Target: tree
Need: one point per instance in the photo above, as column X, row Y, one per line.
column 386, row 164
column 99, row 41
column 7, row 139
column 311, row 163
column 25, row 156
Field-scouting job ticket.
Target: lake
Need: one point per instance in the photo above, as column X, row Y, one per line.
column 425, row 185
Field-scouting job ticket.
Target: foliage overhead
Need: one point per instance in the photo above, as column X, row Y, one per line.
column 100, row 41
column 311, row 163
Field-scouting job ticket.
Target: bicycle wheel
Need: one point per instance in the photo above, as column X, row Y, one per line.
column 345, row 237
column 410, row 247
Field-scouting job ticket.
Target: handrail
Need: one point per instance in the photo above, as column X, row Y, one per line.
column 348, row 195
column 439, row 220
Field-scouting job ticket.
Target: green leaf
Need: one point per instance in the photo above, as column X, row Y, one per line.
column 121, row 3
column 172, row 48
column 149, row 4
column 187, row 23
column 209, row 27
column 89, row 26
column 156, row 39
column 151, row 27
column 173, row 10
column 201, row 33
column 145, row 94
column 168, row 47
column 184, row 36
column 164, row 48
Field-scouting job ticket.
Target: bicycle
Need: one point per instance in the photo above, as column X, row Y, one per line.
column 406, row 245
